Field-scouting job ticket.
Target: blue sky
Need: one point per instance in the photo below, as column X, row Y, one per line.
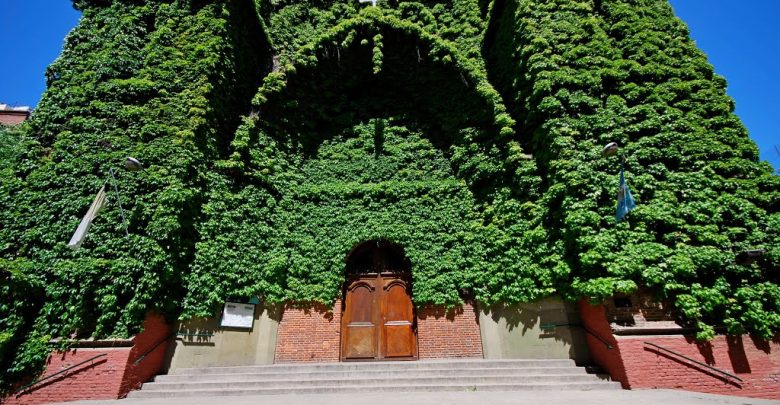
column 741, row 38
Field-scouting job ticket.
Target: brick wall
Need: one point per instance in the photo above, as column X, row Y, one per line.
column 454, row 333
column 644, row 310
column 309, row 334
column 314, row 334
column 13, row 117
column 110, row 376
column 152, row 344
column 638, row 365
column 594, row 319
column 757, row 362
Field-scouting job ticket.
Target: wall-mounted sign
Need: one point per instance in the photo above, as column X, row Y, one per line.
column 238, row 315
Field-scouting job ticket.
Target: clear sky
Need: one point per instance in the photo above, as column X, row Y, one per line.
column 742, row 39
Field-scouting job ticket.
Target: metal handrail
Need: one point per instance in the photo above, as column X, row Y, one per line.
column 583, row 327
column 599, row 338
column 148, row 352
column 58, row 373
column 195, row 334
column 695, row 361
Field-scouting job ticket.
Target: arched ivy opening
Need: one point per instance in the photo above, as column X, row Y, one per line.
column 377, row 256
column 378, row 66
column 379, row 130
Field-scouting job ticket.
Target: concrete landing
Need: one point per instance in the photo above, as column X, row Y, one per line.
column 603, row 397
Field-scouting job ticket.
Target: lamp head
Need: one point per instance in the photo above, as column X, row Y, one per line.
column 132, row 164
column 610, row 149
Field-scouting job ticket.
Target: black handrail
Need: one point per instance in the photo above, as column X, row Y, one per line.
column 148, row 352
column 195, row 334
column 599, row 338
column 695, row 361
column 583, row 327
column 58, row 373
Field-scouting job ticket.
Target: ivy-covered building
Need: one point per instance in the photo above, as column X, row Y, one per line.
column 334, row 160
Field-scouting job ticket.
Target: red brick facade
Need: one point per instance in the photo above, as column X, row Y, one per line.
column 153, row 342
column 637, row 364
column 110, row 376
column 314, row 334
column 594, row 320
column 442, row 334
column 13, row 117
column 309, row 335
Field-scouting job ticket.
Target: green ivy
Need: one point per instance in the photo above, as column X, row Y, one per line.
column 627, row 71
column 278, row 134
column 161, row 81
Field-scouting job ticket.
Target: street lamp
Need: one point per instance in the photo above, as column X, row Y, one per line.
column 132, row 164
column 610, row 149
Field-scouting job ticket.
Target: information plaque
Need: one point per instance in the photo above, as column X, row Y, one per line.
column 238, row 315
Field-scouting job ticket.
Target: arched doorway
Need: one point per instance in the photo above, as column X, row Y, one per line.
column 378, row 321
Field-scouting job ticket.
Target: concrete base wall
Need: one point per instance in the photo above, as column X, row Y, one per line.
column 515, row 331
column 203, row 343
column 500, row 332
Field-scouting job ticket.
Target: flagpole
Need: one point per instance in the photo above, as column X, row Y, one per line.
column 625, row 200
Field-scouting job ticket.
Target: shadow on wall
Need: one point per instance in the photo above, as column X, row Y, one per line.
column 438, row 312
column 202, row 342
column 735, row 349
column 548, row 328
column 308, row 308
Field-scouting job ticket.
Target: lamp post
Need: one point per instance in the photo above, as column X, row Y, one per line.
column 99, row 202
column 131, row 164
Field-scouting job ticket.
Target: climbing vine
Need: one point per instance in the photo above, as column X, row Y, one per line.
column 161, row 81
column 425, row 88
column 276, row 135
column 628, row 72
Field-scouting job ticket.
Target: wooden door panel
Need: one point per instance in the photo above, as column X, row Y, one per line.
column 398, row 320
column 360, row 323
column 361, row 303
column 361, row 342
column 397, row 303
column 399, row 340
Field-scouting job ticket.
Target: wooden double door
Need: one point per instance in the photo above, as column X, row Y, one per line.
column 378, row 321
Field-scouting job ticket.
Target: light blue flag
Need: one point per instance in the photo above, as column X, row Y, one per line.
column 625, row 199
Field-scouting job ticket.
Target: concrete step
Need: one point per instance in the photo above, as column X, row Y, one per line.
column 406, row 376
column 344, row 374
column 586, row 386
column 395, row 365
column 372, row 382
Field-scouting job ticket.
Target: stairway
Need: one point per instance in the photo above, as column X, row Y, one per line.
column 408, row 376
